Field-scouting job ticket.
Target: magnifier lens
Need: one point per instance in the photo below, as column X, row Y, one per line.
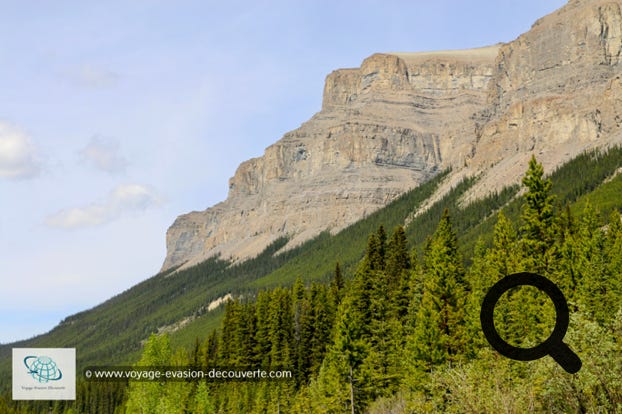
column 553, row 345
column 524, row 316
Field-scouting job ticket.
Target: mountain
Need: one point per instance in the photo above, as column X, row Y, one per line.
column 454, row 127
column 382, row 130
column 401, row 118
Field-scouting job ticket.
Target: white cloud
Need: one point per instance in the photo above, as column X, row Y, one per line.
column 124, row 199
column 104, row 155
column 18, row 157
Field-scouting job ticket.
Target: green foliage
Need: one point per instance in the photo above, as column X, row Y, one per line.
column 317, row 258
column 538, row 218
column 439, row 333
column 147, row 397
column 388, row 329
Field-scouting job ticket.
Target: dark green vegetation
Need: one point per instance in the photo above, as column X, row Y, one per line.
column 385, row 341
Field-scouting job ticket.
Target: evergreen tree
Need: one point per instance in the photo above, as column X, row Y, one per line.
column 302, row 332
column 322, row 321
column 281, row 329
column 439, row 333
column 398, row 258
column 227, row 347
column 347, row 354
column 598, row 285
column 237, row 347
column 382, row 246
column 538, row 217
column 399, row 273
column 337, row 284
column 262, row 331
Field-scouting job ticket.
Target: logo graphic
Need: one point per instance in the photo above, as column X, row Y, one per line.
column 44, row 374
column 43, row 368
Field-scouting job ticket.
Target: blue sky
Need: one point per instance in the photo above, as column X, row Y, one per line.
column 116, row 117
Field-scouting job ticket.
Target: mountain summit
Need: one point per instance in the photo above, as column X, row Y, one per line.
column 400, row 118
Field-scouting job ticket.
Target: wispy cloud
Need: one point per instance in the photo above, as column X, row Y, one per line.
column 18, row 158
column 104, row 154
column 92, row 76
column 124, row 199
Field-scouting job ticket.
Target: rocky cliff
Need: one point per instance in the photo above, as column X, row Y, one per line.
column 556, row 92
column 401, row 117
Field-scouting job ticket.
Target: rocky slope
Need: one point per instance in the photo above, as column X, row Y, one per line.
column 401, row 117
column 556, row 92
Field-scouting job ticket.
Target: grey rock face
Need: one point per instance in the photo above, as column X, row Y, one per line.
column 400, row 118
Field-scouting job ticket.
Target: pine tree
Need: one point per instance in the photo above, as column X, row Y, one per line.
column 398, row 258
column 210, row 352
column 302, row 331
column 364, row 350
column 398, row 272
column 382, row 246
column 373, row 256
column 347, row 355
column 322, row 321
column 262, row 331
column 538, row 217
column 596, row 288
column 439, row 333
column 237, row 342
column 337, row 284
column 281, row 329
column 504, row 256
column 489, row 265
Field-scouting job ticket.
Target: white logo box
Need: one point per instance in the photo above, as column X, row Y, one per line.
column 44, row 373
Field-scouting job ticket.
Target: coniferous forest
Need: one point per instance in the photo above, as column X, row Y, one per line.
column 400, row 332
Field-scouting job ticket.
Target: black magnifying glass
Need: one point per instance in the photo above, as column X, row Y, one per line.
column 553, row 345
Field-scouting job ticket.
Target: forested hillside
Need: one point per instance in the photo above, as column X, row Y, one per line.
column 399, row 330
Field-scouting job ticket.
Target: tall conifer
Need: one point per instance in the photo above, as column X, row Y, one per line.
column 439, row 332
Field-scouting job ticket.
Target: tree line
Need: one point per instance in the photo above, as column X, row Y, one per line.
column 402, row 334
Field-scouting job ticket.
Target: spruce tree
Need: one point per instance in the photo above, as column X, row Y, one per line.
column 281, row 329
column 262, row 331
column 439, row 333
column 399, row 272
column 321, row 319
column 538, row 217
column 596, row 286
column 337, row 284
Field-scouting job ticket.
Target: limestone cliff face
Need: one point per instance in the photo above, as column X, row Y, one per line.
column 556, row 92
column 384, row 128
column 401, row 117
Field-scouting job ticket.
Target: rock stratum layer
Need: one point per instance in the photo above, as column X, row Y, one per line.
column 400, row 118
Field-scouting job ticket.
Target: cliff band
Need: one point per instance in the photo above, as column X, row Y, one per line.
column 400, row 118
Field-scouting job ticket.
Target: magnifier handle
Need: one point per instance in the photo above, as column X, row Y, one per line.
column 565, row 357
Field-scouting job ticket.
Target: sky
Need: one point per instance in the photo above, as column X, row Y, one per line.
column 118, row 116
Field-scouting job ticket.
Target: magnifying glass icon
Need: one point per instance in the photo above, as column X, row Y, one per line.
column 553, row 345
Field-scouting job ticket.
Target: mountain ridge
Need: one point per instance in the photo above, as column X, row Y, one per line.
column 400, row 118
column 374, row 139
